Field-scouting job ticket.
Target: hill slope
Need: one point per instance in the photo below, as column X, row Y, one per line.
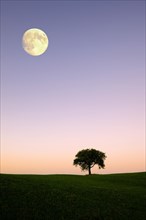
column 71, row 197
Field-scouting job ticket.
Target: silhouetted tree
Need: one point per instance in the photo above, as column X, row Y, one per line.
column 87, row 158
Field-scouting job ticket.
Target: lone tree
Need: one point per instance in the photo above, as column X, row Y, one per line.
column 87, row 158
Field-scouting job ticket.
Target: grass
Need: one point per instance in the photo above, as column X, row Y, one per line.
column 72, row 197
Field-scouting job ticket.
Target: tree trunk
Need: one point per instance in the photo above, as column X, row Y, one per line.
column 89, row 170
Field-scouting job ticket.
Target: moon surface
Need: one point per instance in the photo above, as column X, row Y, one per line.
column 35, row 41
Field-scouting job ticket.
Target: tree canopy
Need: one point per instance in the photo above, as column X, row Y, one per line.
column 87, row 158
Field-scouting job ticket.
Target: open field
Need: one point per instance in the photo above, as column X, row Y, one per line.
column 72, row 197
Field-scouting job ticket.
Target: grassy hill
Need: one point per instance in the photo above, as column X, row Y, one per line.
column 72, row 197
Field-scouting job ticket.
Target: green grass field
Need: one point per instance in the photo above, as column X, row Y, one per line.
column 72, row 197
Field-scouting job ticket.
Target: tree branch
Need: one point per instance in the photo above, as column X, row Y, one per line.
column 93, row 165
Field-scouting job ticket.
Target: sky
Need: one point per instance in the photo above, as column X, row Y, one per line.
column 86, row 91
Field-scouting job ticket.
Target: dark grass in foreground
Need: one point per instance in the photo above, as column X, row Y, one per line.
column 71, row 197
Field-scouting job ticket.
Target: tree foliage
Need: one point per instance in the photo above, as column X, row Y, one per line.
column 87, row 158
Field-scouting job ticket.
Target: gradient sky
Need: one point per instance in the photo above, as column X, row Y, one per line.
column 86, row 91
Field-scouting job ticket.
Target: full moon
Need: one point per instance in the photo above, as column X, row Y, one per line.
column 35, row 41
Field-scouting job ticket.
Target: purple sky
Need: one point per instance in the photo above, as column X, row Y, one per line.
column 86, row 91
